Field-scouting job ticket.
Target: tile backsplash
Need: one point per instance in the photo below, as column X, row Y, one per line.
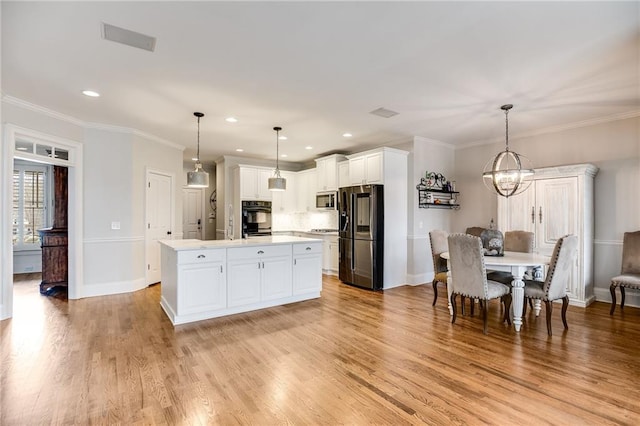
column 304, row 221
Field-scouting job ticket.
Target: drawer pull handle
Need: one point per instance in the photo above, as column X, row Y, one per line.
column 260, row 252
column 201, row 256
column 308, row 248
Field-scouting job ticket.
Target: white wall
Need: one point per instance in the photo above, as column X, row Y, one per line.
column 612, row 146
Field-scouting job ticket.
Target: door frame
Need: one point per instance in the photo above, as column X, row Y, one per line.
column 172, row 196
column 75, row 210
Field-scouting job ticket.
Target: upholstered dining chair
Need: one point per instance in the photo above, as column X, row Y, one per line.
column 554, row 287
column 469, row 276
column 520, row 241
column 630, row 272
column 475, row 230
column 439, row 245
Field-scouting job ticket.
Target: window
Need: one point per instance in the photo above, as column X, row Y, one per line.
column 30, row 196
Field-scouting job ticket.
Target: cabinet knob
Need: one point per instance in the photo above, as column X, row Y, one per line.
column 308, row 248
column 201, row 256
column 260, row 252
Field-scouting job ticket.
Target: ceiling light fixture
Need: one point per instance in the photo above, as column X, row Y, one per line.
column 347, row 135
column 198, row 178
column 505, row 174
column 282, row 138
column 308, row 147
column 91, row 93
column 239, row 150
column 231, row 120
column 277, row 182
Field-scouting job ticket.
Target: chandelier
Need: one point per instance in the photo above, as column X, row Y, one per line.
column 506, row 174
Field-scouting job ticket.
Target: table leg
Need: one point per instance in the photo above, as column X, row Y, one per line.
column 449, row 287
column 517, row 301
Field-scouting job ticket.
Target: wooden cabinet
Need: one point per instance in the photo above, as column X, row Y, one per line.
column 254, row 183
column 559, row 202
column 343, row 174
column 286, row 201
column 306, row 195
column 327, row 172
column 258, row 273
column 203, row 275
column 307, row 268
column 366, row 168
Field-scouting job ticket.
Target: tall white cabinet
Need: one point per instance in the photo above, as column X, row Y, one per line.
column 559, row 202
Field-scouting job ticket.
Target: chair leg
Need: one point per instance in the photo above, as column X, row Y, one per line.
column 462, row 300
column 524, row 308
column 612, row 289
column 485, row 309
column 548, row 309
column 472, row 306
column 565, row 305
column 435, row 292
column 621, row 297
column 507, row 306
column 453, row 306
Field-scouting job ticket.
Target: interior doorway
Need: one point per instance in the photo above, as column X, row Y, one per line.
column 159, row 220
column 31, row 145
column 192, row 213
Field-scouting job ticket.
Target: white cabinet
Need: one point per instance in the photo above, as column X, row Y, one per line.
column 330, row 255
column 258, row 273
column 306, row 194
column 254, row 183
column 559, row 202
column 202, row 271
column 327, row 172
column 307, row 268
column 286, row 201
column 343, row 174
column 366, row 168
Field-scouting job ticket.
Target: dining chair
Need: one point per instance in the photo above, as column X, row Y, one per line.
column 519, row 241
column 439, row 245
column 474, row 230
column 469, row 276
column 554, row 287
column 630, row 272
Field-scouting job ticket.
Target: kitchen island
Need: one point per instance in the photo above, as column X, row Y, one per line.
column 208, row 279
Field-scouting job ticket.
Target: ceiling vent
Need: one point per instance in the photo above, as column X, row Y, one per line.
column 383, row 112
column 128, row 37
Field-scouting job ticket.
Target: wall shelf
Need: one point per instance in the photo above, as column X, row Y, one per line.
column 436, row 197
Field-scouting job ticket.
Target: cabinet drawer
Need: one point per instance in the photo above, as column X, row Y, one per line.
column 307, row 248
column 257, row 252
column 200, row 256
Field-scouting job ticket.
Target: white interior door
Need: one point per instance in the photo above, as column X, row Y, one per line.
column 159, row 206
column 192, row 213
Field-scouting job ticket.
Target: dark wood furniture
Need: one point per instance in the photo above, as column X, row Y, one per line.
column 54, row 240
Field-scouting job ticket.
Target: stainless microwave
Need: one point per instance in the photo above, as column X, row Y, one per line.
column 326, row 200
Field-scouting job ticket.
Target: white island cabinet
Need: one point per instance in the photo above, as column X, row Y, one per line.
column 208, row 279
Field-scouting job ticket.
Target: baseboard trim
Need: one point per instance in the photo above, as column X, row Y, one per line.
column 417, row 279
column 632, row 297
column 106, row 289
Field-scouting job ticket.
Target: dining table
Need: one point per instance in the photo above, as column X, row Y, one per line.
column 515, row 262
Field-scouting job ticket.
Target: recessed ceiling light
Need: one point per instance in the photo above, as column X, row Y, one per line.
column 90, row 93
column 239, row 150
column 282, row 138
column 308, row 147
column 347, row 135
column 195, row 159
column 284, row 156
column 231, row 120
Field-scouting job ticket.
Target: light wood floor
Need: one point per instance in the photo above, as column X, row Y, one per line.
column 351, row 357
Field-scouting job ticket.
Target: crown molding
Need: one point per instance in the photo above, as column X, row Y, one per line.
column 11, row 100
column 558, row 128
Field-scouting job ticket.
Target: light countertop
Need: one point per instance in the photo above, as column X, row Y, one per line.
column 248, row 242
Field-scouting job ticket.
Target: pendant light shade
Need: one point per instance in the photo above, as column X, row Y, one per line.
column 198, row 178
column 277, row 182
column 508, row 173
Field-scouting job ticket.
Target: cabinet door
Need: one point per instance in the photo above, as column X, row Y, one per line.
column 517, row 213
column 343, row 174
column 357, row 171
column 556, row 210
column 243, row 282
column 203, row 287
column 302, row 188
column 322, row 174
column 374, row 168
column 248, row 183
column 276, row 277
column 334, row 255
column 262, row 184
column 310, row 196
column 307, row 274
column 326, row 254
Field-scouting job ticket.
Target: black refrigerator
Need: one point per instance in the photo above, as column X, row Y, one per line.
column 361, row 241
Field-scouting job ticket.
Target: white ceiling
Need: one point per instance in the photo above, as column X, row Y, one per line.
column 318, row 69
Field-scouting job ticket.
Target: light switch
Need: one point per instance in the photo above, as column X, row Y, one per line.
column 115, row 225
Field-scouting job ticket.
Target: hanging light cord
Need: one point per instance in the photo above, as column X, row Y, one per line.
column 198, row 153
column 506, row 120
column 277, row 129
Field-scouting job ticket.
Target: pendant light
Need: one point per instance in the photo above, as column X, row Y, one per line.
column 506, row 174
column 198, row 178
column 277, row 182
